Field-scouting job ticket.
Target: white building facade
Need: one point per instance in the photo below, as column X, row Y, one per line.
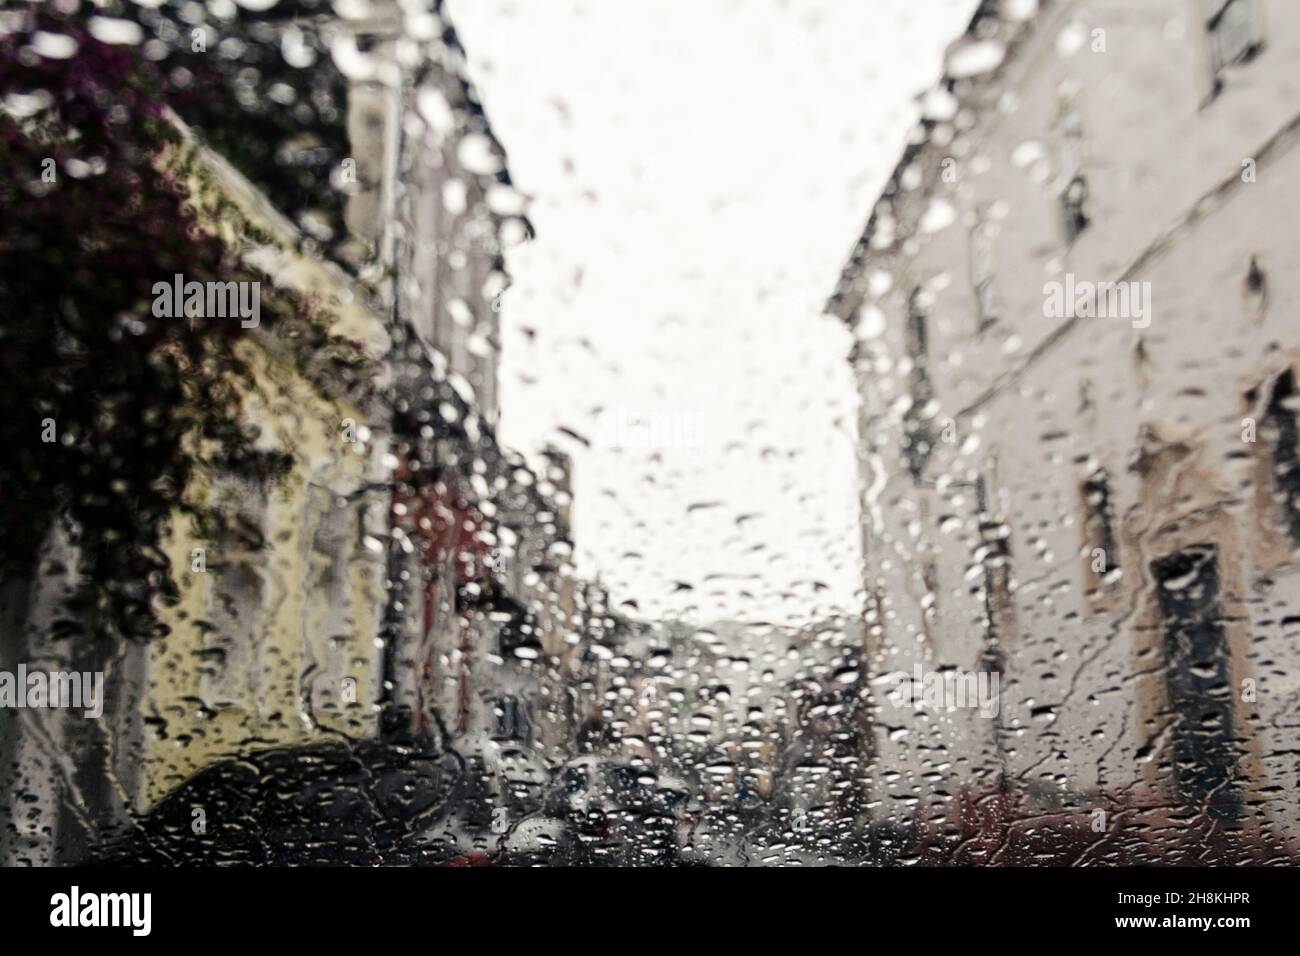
column 1076, row 325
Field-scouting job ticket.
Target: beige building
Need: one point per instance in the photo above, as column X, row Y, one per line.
column 271, row 638
column 1076, row 344
column 480, row 612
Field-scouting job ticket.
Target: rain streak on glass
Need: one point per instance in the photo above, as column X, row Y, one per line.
column 834, row 433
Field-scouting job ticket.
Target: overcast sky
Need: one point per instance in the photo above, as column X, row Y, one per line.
column 698, row 171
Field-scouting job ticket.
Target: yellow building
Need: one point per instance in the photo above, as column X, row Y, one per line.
column 375, row 282
column 273, row 639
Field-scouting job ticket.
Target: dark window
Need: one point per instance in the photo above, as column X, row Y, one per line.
column 512, row 720
column 1074, row 208
column 917, row 438
column 1255, row 290
column 995, row 536
column 1280, row 416
column 918, row 344
column 1256, row 281
column 575, row 780
column 993, row 530
column 1198, row 679
column 1231, row 28
column 1099, row 529
column 982, row 275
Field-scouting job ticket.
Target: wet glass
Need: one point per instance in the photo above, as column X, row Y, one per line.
column 831, row 434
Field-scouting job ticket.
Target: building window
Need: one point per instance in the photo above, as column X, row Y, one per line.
column 917, row 438
column 993, row 530
column 231, row 632
column 1255, row 290
column 1280, row 419
column 1098, row 526
column 918, row 344
column 995, row 547
column 234, row 618
column 511, row 720
column 981, row 268
column 516, row 629
column 1231, row 26
column 326, row 625
column 1074, row 208
column 1198, row 679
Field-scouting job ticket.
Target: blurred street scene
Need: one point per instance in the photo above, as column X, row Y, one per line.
column 276, row 590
